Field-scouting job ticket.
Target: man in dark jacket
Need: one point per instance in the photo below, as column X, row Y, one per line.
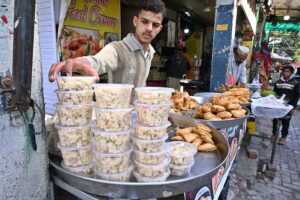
column 290, row 87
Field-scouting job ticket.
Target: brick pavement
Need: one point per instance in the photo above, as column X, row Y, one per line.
column 285, row 185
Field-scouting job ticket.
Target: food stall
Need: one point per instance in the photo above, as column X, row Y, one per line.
column 131, row 155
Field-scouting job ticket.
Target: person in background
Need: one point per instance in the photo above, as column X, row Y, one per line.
column 288, row 86
column 239, row 63
column 126, row 61
column 176, row 67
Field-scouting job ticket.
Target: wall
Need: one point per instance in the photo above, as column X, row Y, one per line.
column 23, row 172
column 47, row 35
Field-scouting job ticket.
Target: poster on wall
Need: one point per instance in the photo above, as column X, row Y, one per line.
column 194, row 44
column 89, row 25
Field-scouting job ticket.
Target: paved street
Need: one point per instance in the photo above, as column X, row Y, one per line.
column 246, row 183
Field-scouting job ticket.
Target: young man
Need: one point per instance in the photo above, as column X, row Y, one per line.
column 127, row 61
column 288, row 86
column 239, row 63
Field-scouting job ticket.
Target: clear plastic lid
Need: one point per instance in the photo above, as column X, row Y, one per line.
column 67, row 128
column 154, row 89
column 123, row 154
column 138, row 104
column 160, row 153
column 77, row 77
column 179, row 167
column 106, row 176
column 62, row 148
column 110, row 85
column 73, row 91
column 101, row 132
column 191, row 152
column 144, row 179
column 138, row 126
column 97, row 109
column 128, row 170
column 73, row 106
column 77, row 169
column 159, row 166
column 134, row 139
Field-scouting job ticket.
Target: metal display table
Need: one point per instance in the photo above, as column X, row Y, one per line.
column 205, row 167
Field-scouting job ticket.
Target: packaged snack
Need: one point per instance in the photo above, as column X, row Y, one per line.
column 150, row 145
column 113, row 119
column 154, row 95
column 181, row 170
column 111, row 142
column 119, row 177
column 150, row 158
column 145, row 179
column 74, row 115
column 181, row 153
column 112, row 163
column 152, row 115
column 152, row 170
column 75, row 82
column 76, row 156
column 84, row 97
column 150, row 133
column 113, row 95
column 77, row 136
column 86, row 170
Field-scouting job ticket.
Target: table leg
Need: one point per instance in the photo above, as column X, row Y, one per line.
column 275, row 140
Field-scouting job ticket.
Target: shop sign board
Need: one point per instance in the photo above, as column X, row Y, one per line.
column 88, row 26
column 222, row 27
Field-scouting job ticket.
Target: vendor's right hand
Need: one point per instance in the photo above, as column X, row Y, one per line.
column 79, row 65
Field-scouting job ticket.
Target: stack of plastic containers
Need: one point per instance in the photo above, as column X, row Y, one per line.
column 150, row 152
column 182, row 157
column 111, row 140
column 74, row 110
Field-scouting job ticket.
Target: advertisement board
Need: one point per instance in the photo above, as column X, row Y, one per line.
column 88, row 26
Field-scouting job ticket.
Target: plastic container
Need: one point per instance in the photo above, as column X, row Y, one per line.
column 154, row 95
column 87, row 170
column 181, row 153
column 113, row 95
column 150, row 145
column 75, row 82
column 111, row 142
column 150, row 158
column 120, row 177
column 84, row 97
column 75, row 157
column 74, row 136
column 152, row 115
column 150, row 133
column 74, row 115
column 113, row 119
column 144, row 179
column 152, row 170
column 181, row 170
column 112, row 163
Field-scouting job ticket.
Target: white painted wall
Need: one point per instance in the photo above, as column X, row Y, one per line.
column 46, row 17
column 23, row 172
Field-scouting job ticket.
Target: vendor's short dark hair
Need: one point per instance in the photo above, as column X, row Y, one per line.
column 156, row 6
column 289, row 67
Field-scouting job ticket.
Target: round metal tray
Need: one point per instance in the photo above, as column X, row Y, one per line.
column 205, row 167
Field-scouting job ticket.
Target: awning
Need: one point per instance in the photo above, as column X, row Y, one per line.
column 282, row 27
column 278, row 57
